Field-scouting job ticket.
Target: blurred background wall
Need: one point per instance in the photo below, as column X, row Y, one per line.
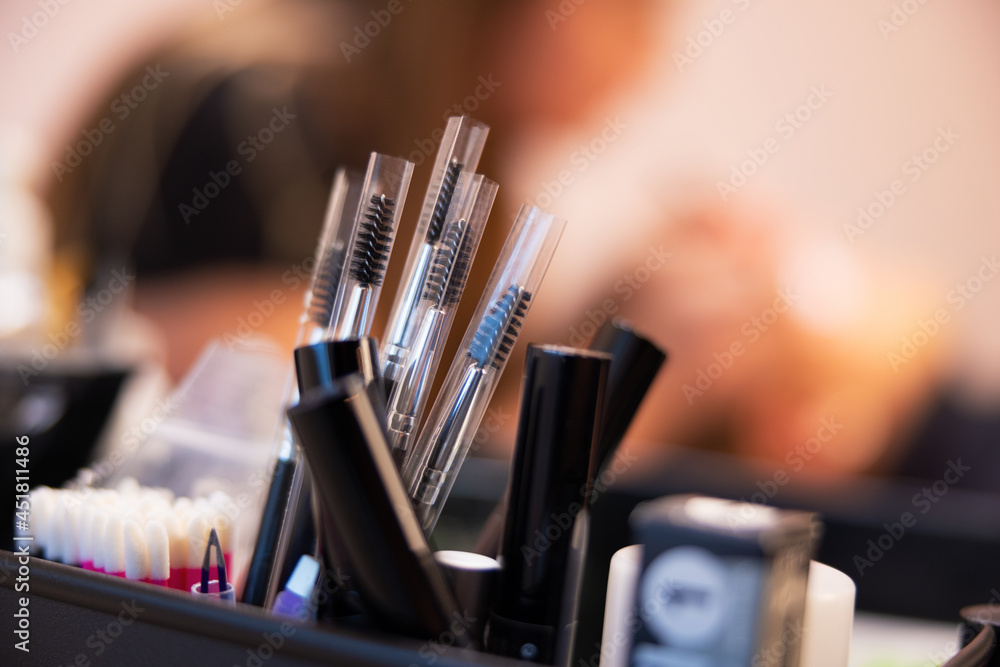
column 723, row 83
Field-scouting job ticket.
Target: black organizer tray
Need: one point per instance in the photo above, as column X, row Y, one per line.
column 69, row 607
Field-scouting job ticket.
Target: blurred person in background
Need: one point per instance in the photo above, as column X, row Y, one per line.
column 330, row 93
column 287, row 91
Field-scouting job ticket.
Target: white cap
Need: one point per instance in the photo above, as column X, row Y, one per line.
column 158, row 545
column 114, row 544
column 136, row 552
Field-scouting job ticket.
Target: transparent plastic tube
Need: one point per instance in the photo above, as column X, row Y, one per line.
column 460, row 149
column 433, row 313
column 430, row 470
column 382, row 196
column 329, row 264
column 283, row 496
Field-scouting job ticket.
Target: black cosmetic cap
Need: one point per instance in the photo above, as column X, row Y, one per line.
column 319, row 364
column 561, row 403
column 361, row 494
column 633, row 369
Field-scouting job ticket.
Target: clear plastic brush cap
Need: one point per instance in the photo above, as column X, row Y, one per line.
column 431, row 467
column 382, row 196
column 451, row 258
column 460, row 150
column 329, row 261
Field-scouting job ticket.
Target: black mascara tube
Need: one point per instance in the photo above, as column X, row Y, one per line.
column 357, row 485
column 636, row 361
column 279, row 529
column 534, row 615
column 317, row 366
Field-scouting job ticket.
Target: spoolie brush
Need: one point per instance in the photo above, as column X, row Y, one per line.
column 447, row 191
column 384, row 191
column 285, row 505
column 327, row 274
column 498, row 331
column 374, row 242
column 435, row 310
column 430, row 469
column 368, row 262
column 451, row 259
column 461, row 146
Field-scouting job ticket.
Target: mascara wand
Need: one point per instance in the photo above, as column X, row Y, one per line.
column 434, row 312
column 402, row 329
column 371, row 254
column 321, row 299
column 490, row 346
column 430, row 469
column 461, row 147
column 386, row 183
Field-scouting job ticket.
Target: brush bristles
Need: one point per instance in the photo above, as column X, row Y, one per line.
column 374, row 241
column 447, row 191
column 460, row 270
column 324, row 290
column 497, row 333
column 444, row 263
